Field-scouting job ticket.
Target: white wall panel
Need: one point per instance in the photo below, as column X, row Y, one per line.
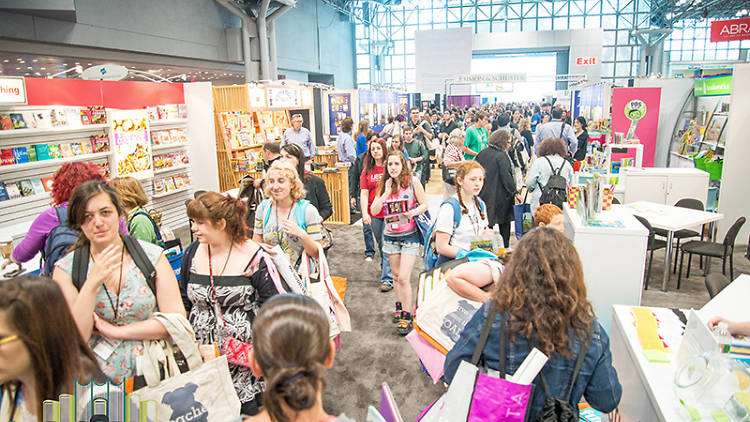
column 441, row 55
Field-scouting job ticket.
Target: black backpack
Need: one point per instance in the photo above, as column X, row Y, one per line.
column 59, row 241
column 556, row 190
column 136, row 252
column 560, row 409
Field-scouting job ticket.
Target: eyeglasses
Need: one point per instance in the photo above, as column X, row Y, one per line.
column 8, row 339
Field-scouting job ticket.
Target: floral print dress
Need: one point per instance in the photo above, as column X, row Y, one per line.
column 136, row 303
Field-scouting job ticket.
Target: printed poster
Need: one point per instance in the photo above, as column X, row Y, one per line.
column 129, row 130
column 339, row 108
column 635, row 113
column 286, row 97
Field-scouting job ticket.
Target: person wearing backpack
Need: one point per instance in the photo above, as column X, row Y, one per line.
column 140, row 224
column 114, row 283
column 285, row 217
column 49, row 232
column 462, row 217
column 550, row 166
column 540, row 301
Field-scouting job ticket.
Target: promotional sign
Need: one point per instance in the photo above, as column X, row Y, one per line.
column 730, row 30
column 129, row 130
column 713, row 85
column 283, row 97
column 105, row 72
column 635, row 111
column 339, row 108
column 12, row 90
column 404, row 104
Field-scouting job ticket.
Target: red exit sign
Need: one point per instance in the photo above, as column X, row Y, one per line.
column 730, row 30
column 584, row 61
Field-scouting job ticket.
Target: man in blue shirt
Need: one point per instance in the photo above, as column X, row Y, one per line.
column 345, row 142
column 299, row 135
column 380, row 126
column 556, row 128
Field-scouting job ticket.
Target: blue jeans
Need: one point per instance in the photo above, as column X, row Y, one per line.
column 367, row 233
column 386, row 276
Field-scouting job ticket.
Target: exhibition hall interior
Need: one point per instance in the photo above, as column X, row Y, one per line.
column 374, row 210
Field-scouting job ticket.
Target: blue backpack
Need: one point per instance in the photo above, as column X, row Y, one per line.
column 59, row 241
column 430, row 255
column 264, row 209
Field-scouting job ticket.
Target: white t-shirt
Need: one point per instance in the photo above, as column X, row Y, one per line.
column 470, row 225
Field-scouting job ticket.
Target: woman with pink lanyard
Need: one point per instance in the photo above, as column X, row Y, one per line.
column 401, row 198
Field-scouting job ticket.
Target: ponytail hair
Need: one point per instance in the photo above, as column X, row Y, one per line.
column 461, row 173
column 291, row 346
column 214, row 206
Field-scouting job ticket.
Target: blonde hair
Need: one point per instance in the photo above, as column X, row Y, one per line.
column 455, row 136
column 288, row 171
column 130, row 192
column 524, row 124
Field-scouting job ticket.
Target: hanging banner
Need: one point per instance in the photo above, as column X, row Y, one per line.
column 713, row 85
column 730, row 30
column 283, row 97
column 340, row 107
column 129, row 130
column 635, row 112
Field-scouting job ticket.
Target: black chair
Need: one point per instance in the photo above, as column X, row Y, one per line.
column 690, row 203
column 652, row 245
column 715, row 283
column 710, row 250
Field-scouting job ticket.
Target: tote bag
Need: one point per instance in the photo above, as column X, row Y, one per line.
column 205, row 392
column 442, row 317
column 523, row 221
column 324, row 292
column 478, row 397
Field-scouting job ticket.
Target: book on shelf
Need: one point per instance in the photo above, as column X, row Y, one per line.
column 25, row 187
column 18, row 121
column 169, row 184
column 100, row 143
column 12, row 189
column 30, row 119
column 3, row 192
column 54, row 151
column 180, row 181
column 42, row 152
column 158, row 186
column 6, row 157
column 98, row 115
column 77, row 149
column 42, row 119
column 20, row 155
column 104, row 169
column 5, row 122
column 47, row 182
column 66, row 150
column 87, row 147
column 85, row 116
column 31, row 150
column 37, row 186
column 58, row 117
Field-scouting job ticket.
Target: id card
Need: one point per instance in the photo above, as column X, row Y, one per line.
column 105, row 347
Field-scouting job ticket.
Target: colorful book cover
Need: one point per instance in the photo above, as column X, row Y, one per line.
column 31, row 150
column 25, row 187
column 54, row 151
column 6, row 157
column 66, row 150
column 5, row 122
column 18, row 121
column 37, row 185
column 85, row 116
column 100, row 142
column 13, row 191
column 104, row 169
column 77, row 149
column 87, row 147
column 162, row 112
column 43, row 119
column 42, row 152
column 158, row 186
column 20, row 155
column 169, row 184
column 47, row 182
column 182, row 111
column 98, row 115
column 3, row 192
column 179, row 182
column 58, row 117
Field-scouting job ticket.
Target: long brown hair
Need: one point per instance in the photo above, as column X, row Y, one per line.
column 461, row 172
column 59, row 355
column 79, row 199
column 543, row 291
column 369, row 160
column 214, row 206
column 402, row 181
column 362, row 129
column 291, row 345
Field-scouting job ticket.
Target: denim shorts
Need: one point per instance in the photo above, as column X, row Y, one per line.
column 405, row 245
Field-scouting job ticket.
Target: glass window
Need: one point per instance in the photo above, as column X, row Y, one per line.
column 544, row 24
column 608, row 54
column 514, row 25
column 593, row 21
column 363, row 76
column 399, row 47
column 483, row 27
column 609, row 37
column 622, row 69
column 560, row 23
column 576, row 22
column 363, row 61
column 623, row 54
column 608, row 69
column 544, row 10
column 410, row 61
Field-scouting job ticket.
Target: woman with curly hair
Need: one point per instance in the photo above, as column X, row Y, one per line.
column 276, row 221
column 65, row 179
column 403, row 198
column 541, row 302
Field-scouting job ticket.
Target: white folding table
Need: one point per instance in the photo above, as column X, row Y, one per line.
column 671, row 219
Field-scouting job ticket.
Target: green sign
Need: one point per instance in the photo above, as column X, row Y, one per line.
column 713, row 85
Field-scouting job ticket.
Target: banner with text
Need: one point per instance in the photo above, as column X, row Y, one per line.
column 713, row 86
column 730, row 30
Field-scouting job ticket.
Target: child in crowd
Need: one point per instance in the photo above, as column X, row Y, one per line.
column 549, row 215
column 401, row 197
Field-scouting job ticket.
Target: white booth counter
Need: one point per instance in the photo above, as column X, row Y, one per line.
column 664, row 185
column 613, row 258
column 647, row 387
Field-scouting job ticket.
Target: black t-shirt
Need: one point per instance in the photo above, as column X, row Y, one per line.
column 448, row 128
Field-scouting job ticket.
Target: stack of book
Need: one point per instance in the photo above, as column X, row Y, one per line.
column 25, row 187
column 41, row 152
column 56, row 117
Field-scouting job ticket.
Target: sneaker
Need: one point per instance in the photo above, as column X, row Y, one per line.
column 397, row 313
column 404, row 326
column 368, row 259
column 385, row 287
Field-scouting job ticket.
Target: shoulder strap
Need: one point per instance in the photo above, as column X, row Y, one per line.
column 299, row 213
column 141, row 261
column 157, row 232
column 80, row 265
column 456, row 211
column 187, row 259
column 581, row 357
column 550, row 163
column 562, row 129
column 62, row 215
column 485, row 333
column 265, row 208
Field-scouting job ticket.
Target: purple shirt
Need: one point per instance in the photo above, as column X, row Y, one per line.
column 36, row 237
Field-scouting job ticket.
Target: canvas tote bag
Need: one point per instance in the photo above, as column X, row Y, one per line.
column 322, row 289
column 205, row 392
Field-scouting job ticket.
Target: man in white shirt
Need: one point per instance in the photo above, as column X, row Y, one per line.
column 299, row 135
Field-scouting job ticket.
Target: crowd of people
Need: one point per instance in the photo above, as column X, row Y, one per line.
column 105, row 273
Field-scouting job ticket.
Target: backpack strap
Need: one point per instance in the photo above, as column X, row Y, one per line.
column 141, row 261
column 62, row 219
column 299, row 213
column 153, row 223
column 491, row 311
column 265, row 209
column 80, row 265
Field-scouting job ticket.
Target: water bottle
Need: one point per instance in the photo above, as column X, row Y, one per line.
column 721, row 333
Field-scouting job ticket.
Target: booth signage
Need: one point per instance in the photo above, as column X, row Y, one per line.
column 713, row 86
column 105, row 72
column 492, row 77
column 12, row 90
column 129, row 129
column 730, row 30
column 586, row 61
column 283, row 97
column 339, row 109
